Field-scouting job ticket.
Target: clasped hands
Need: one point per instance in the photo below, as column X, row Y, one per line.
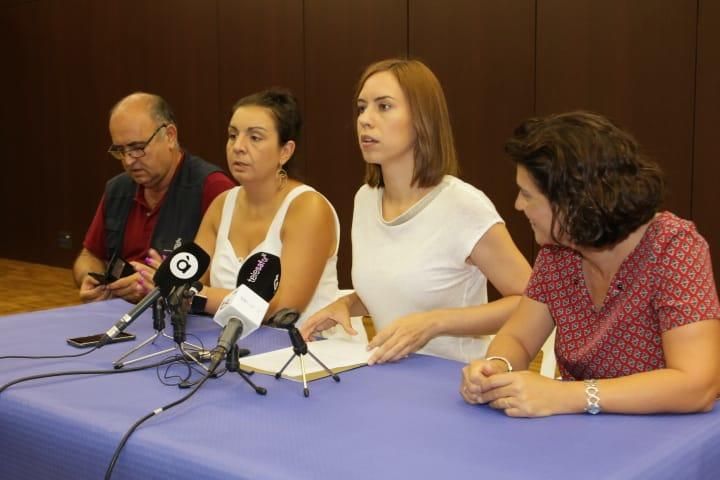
column 518, row 394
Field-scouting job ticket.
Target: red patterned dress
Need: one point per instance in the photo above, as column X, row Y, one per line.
column 665, row 282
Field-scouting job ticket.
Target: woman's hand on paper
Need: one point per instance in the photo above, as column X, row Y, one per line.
column 337, row 313
column 402, row 337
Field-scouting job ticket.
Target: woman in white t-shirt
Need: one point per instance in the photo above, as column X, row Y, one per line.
column 424, row 242
column 270, row 211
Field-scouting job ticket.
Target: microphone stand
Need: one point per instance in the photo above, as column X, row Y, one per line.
column 179, row 303
column 232, row 364
column 158, row 313
column 159, row 309
column 300, row 349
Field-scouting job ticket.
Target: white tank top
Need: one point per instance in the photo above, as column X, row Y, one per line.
column 225, row 265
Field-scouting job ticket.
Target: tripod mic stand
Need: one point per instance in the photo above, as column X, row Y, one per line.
column 159, row 309
column 286, row 319
column 179, row 303
column 232, row 364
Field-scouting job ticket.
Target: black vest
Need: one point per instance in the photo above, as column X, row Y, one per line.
column 179, row 217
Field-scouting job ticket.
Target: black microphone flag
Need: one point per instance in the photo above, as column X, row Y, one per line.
column 186, row 264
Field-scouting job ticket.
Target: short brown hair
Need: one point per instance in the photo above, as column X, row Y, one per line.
column 434, row 151
column 601, row 188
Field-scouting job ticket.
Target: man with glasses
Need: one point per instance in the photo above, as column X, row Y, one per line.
column 153, row 207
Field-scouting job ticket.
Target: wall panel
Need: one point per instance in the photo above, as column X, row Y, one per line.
column 260, row 45
column 31, row 142
column 632, row 61
column 482, row 52
column 181, row 54
column 706, row 171
column 70, row 132
column 342, row 37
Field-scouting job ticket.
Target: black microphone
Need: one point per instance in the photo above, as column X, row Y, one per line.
column 178, row 303
column 242, row 311
column 183, row 292
column 195, row 288
column 228, row 338
column 186, row 264
column 261, row 272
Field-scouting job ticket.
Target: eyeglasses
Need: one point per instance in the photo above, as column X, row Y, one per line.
column 135, row 149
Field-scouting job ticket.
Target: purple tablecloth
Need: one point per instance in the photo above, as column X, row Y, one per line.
column 402, row 420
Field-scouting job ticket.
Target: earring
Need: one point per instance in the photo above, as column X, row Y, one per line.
column 282, row 177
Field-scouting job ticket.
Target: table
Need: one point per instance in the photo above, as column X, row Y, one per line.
column 401, row 420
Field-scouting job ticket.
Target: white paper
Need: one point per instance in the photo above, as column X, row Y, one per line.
column 337, row 355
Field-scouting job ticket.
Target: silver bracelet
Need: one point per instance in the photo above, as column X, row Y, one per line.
column 592, row 397
column 502, row 359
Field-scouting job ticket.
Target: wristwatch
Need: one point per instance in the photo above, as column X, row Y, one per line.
column 197, row 306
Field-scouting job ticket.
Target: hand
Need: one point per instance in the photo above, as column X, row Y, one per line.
column 154, row 259
column 127, row 288
column 134, row 287
column 337, row 313
column 91, row 290
column 526, row 394
column 475, row 376
column 402, row 337
column 147, row 273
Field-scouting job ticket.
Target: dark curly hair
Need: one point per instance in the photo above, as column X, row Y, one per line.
column 600, row 187
column 285, row 112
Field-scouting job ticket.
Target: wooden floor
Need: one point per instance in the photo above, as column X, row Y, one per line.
column 25, row 287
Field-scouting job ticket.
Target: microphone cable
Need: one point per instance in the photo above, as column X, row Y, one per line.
column 188, row 362
column 157, row 411
column 88, row 372
column 42, row 357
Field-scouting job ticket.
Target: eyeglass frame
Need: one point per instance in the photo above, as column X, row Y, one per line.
column 138, row 151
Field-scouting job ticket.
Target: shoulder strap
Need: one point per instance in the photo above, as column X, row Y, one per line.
column 227, row 212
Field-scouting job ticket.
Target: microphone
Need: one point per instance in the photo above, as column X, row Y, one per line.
column 228, row 338
column 183, row 292
column 185, row 264
column 262, row 271
column 242, row 310
column 195, row 288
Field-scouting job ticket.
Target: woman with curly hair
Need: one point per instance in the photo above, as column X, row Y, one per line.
column 630, row 289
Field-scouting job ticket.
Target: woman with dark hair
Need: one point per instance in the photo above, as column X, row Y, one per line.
column 630, row 289
column 270, row 211
column 424, row 242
